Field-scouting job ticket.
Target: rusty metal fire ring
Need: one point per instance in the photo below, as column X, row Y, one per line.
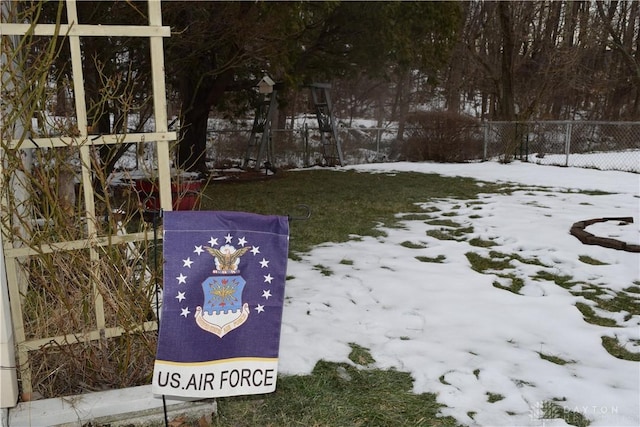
column 578, row 230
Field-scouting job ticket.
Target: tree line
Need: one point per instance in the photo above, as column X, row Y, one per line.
column 493, row 60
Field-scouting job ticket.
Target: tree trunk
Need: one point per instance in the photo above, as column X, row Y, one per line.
column 506, row 103
column 402, row 99
column 199, row 95
column 192, row 148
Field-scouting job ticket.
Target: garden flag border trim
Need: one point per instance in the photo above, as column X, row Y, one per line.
column 224, row 274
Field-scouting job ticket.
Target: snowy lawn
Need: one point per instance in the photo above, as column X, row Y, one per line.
column 500, row 343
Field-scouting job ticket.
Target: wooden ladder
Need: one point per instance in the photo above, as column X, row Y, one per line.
column 331, row 147
column 259, row 147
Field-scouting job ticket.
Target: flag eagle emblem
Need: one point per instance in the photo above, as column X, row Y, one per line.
column 223, row 310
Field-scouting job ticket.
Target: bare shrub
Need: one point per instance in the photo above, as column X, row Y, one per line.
column 441, row 136
column 68, row 369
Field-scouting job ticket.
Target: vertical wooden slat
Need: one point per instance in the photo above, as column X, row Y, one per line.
column 8, row 372
column 160, row 106
column 16, row 279
column 18, row 327
column 85, row 153
column 8, row 335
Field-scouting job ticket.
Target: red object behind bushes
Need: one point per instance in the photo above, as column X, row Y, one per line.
column 185, row 194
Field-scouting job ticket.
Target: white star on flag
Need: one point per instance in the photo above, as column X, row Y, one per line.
column 180, row 296
column 264, row 263
column 198, row 250
column 213, row 242
column 255, row 250
column 259, row 308
column 187, row 262
column 266, row 294
column 228, row 238
column 242, row 241
column 182, row 278
column 185, row 312
column 268, row 278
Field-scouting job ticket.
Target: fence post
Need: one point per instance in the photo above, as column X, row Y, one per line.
column 8, row 372
column 305, row 143
column 485, row 140
column 567, row 143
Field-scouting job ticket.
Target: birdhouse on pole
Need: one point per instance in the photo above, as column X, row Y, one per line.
column 265, row 85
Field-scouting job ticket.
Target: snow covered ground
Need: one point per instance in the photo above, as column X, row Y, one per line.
column 479, row 347
column 628, row 160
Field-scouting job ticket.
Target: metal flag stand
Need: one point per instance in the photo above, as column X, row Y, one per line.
column 156, row 216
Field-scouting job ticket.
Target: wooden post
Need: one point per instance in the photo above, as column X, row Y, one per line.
column 18, row 184
column 8, row 373
column 160, row 107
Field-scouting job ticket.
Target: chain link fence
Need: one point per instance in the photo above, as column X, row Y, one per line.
column 300, row 147
column 597, row 145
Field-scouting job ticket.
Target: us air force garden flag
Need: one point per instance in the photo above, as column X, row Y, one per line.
column 224, row 275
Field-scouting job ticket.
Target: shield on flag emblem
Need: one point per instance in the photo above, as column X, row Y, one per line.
column 222, row 310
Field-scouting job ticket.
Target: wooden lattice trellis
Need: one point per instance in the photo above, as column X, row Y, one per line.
column 85, row 142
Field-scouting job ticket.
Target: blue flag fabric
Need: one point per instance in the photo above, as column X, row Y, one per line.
column 224, row 275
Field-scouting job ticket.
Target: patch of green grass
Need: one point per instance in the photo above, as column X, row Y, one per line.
column 555, row 359
column 450, row 233
column 444, row 223
column 328, row 192
column 336, row 395
column 326, row 271
column 411, row 245
column 439, row 259
column 497, row 262
column 622, row 301
column 626, row 300
column 564, row 281
column 360, row 355
column 592, row 261
column 613, row 346
column 590, row 316
column 551, row 410
column 462, row 231
column 605, row 299
column 522, row 383
column 346, row 262
column 481, row 243
column 432, row 209
column 537, row 205
column 594, row 192
column 442, row 235
column 494, row 397
column 530, row 261
column 483, row 264
column 416, row 217
column 635, row 289
column 516, row 283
